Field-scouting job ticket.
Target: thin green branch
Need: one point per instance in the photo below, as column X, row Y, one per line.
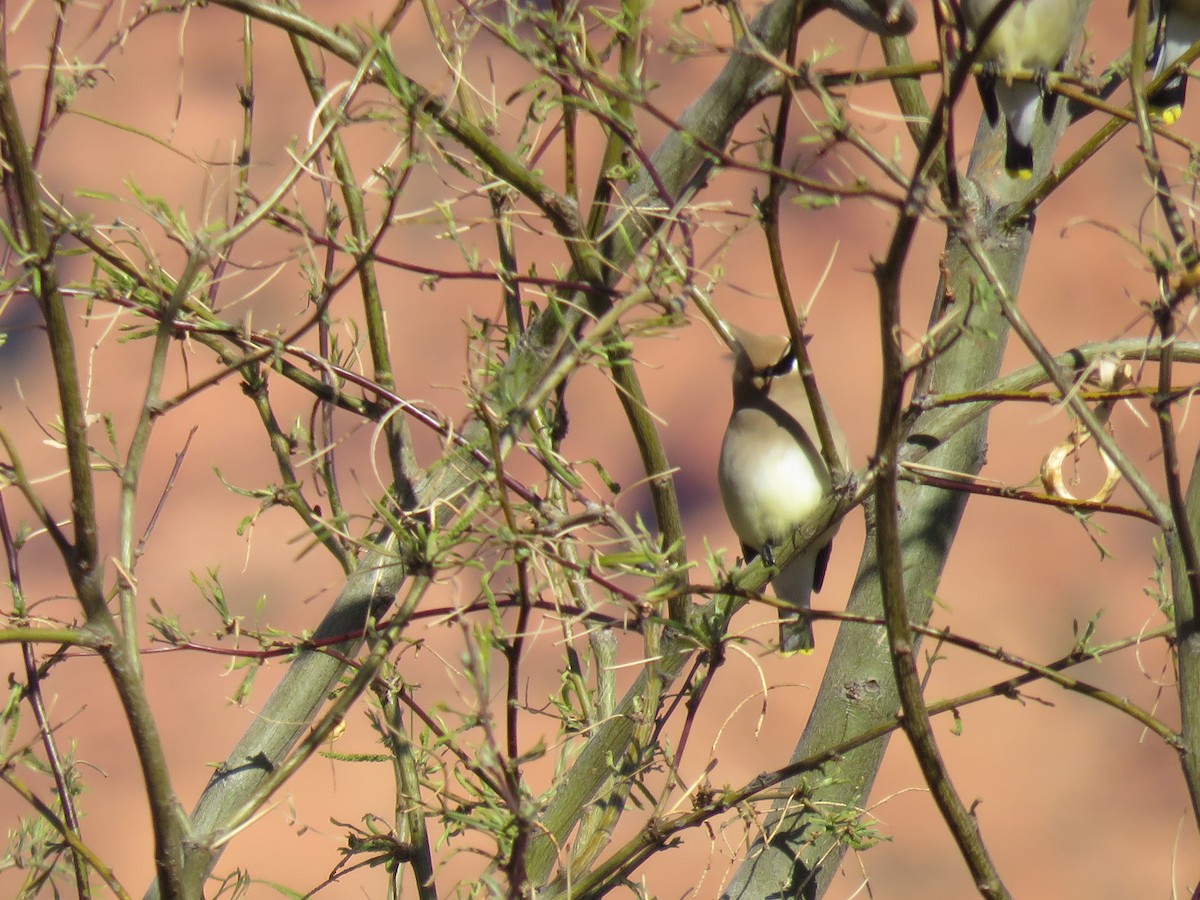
column 322, row 730
column 290, row 492
column 1179, row 532
column 929, row 517
column 891, row 566
column 409, row 816
column 395, row 428
column 68, row 637
column 37, row 254
column 84, row 567
column 660, row 832
column 1084, row 413
column 70, row 837
column 769, row 215
column 34, row 675
column 139, row 444
column 659, row 472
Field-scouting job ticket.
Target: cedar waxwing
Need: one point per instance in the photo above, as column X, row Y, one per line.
column 1033, row 36
column 772, row 474
column 1176, row 25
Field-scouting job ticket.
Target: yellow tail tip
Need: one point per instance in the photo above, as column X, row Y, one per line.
column 1169, row 115
column 799, row 651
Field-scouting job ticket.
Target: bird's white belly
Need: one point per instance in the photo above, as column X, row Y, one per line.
column 1036, row 34
column 769, row 488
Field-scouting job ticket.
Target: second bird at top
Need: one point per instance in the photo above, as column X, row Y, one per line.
column 1034, row 36
column 1176, row 27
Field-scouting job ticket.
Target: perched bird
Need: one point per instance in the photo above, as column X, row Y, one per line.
column 1176, row 25
column 1034, row 36
column 772, row 474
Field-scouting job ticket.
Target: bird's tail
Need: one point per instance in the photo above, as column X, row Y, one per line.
column 793, row 585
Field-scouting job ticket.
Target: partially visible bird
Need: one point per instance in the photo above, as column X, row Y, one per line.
column 772, row 474
column 1176, row 26
column 1034, row 36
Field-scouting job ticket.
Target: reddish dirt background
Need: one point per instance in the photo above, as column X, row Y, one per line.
column 1073, row 799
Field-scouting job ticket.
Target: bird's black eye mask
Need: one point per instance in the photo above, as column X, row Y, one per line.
column 786, row 364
